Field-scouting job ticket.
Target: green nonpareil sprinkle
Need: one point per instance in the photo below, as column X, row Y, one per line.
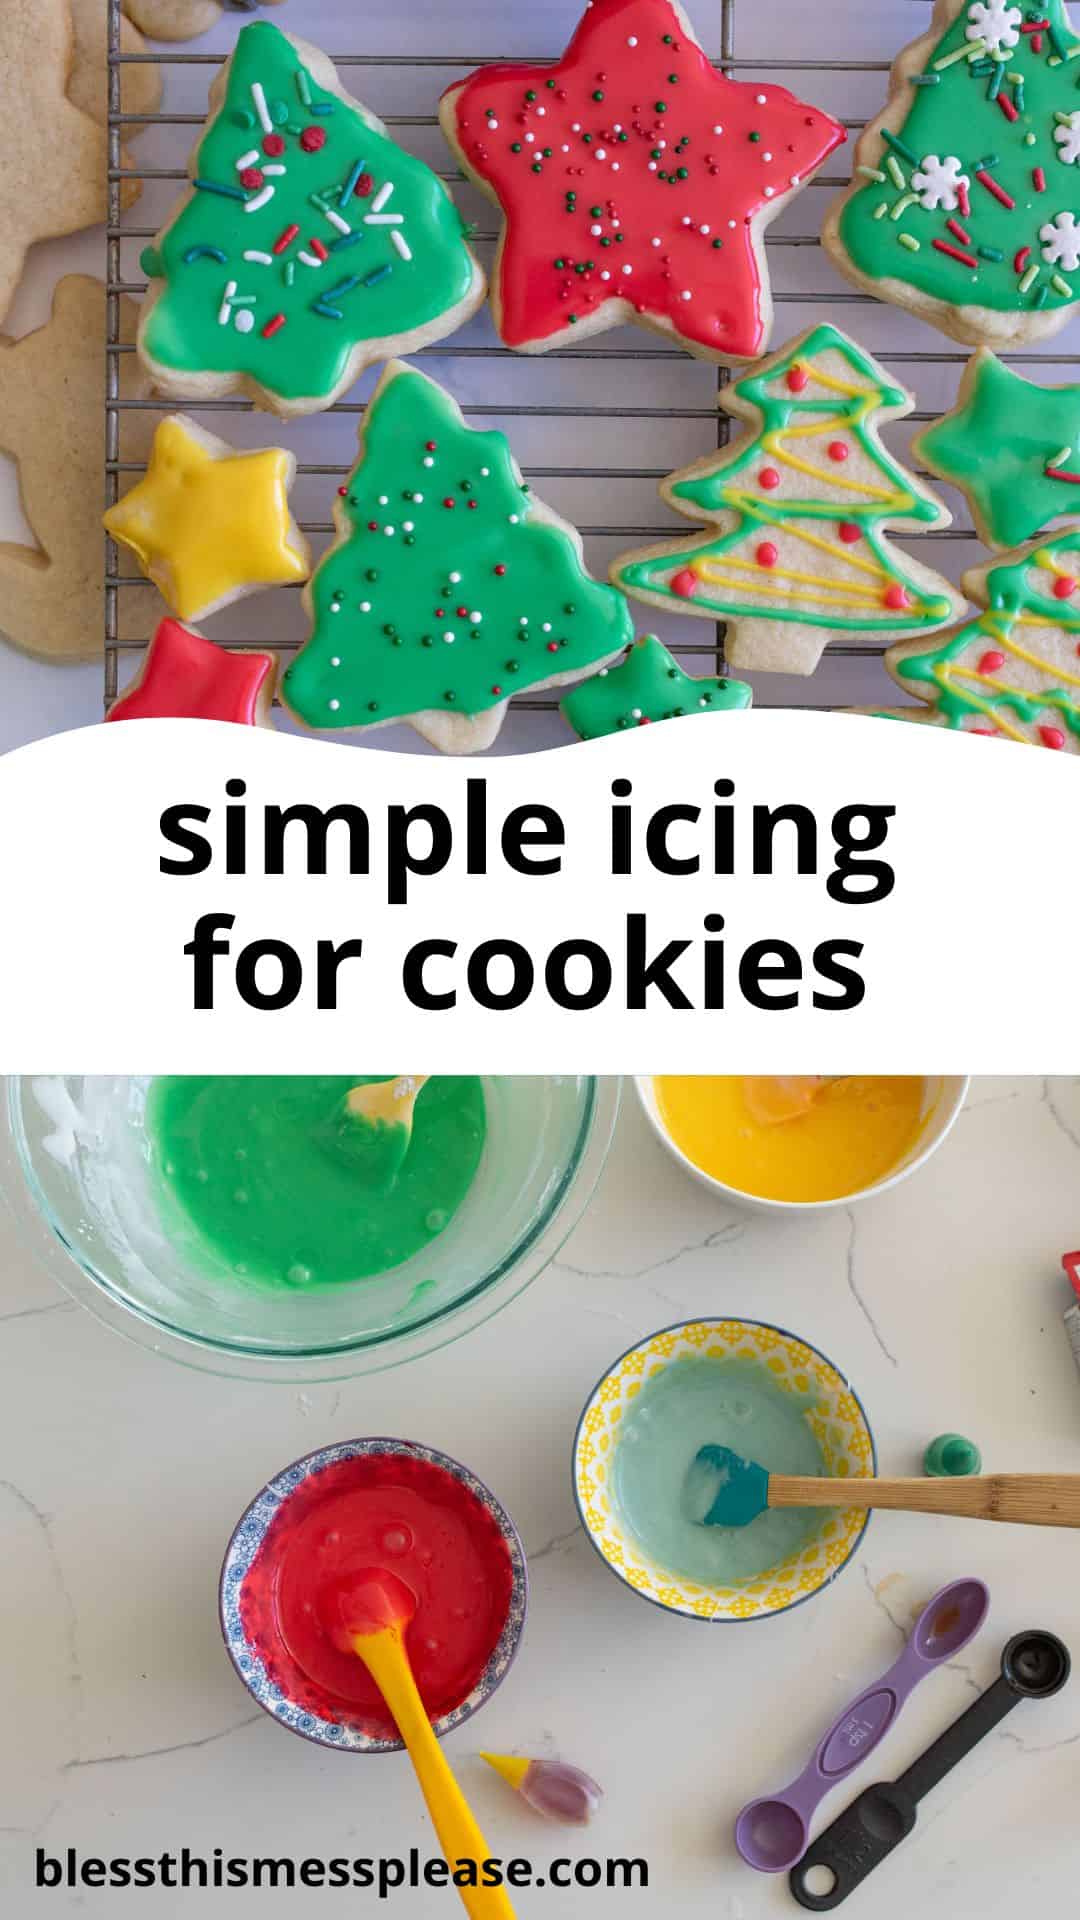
column 290, row 272
column 926, row 79
column 1042, row 296
column 241, row 299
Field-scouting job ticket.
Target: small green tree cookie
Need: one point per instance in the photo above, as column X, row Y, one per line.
column 647, row 685
column 449, row 587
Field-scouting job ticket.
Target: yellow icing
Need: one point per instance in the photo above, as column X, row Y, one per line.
column 858, row 1130
column 208, row 524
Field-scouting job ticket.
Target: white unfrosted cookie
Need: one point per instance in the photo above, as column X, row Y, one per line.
column 964, row 207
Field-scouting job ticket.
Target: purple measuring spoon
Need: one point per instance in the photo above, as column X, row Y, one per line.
column 772, row 1834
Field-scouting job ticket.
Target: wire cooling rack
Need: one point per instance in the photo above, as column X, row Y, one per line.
column 592, row 452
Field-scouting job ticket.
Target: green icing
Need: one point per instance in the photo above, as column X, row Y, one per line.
column 1002, row 446
column 446, row 590
column 1000, row 117
column 749, row 488
column 245, row 1159
column 365, row 290
column 647, row 685
column 965, row 686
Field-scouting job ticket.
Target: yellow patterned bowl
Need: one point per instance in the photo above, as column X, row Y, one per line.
column 840, row 1426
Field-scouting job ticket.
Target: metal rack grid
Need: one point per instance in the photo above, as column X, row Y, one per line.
column 121, row 229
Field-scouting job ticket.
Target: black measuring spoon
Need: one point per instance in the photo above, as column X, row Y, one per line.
column 1034, row 1665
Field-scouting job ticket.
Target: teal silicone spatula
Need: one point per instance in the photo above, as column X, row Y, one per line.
column 724, row 1490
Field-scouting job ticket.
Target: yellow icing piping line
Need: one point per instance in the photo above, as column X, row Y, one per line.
column 839, row 598
column 946, row 673
column 711, row 570
column 831, row 547
column 1031, row 659
column 873, row 397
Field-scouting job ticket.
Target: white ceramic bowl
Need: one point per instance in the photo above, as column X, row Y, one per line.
column 945, row 1097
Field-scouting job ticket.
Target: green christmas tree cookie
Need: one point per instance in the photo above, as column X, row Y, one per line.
column 1013, row 449
column 802, row 506
column 965, row 202
column 449, row 587
column 307, row 245
column 647, row 685
column 1015, row 670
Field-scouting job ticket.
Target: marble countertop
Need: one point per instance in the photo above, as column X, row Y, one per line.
column 127, row 1733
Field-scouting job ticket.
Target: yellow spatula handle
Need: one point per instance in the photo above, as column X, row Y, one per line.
column 459, row 1836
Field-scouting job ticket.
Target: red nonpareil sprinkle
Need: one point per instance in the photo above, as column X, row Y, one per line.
column 991, row 661
column 960, row 232
column 849, row 532
column 769, row 479
column 956, row 253
column 993, row 186
column 449, row 501
column 313, row 139
column 1039, row 178
column 839, row 450
column 897, row 598
column 496, row 689
column 644, row 721
column 253, row 178
column 685, row 583
column 1064, row 587
column 373, row 526
column 317, row 248
column 273, row 145
column 474, row 506
column 553, row 646
column 273, row 325
column 285, row 238
column 430, row 445
column 988, row 733
column 767, row 555
column 1007, row 106
column 1052, row 737
column 1021, row 260
column 500, row 570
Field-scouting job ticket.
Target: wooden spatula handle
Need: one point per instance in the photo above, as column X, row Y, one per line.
column 1036, row 1499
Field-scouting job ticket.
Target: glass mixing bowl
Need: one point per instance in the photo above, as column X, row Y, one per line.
column 75, row 1175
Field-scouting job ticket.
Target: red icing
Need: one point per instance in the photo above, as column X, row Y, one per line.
column 603, row 99
column 313, row 139
column 377, row 1513
column 838, row 450
column 685, row 583
column 798, row 379
column 1052, row 737
column 767, row 555
column 185, row 677
column 1064, row 586
column 769, row 479
column 849, row 532
column 897, row 598
column 991, row 661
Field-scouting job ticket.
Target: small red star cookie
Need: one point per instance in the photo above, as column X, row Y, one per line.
column 186, row 677
column 636, row 182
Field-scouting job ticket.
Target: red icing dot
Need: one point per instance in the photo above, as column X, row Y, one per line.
column 991, row 661
column 1052, row 737
column 273, row 145
column 500, row 570
column 364, row 186
column 798, row 379
column 767, row 555
column 313, row 139
column 644, row 721
column 849, row 532
column 253, row 178
column 897, row 597
column 685, row 583
column 838, row 450
column 768, row 478
column 1064, row 586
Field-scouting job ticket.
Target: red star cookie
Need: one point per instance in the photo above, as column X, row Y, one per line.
column 186, row 677
column 636, row 182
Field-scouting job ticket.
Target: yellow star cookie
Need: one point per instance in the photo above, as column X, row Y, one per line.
column 53, row 177
column 209, row 525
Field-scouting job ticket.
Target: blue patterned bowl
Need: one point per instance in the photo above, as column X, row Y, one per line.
column 247, row 1538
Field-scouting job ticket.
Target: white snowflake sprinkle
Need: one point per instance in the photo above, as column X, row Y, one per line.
column 995, row 22
column 1067, row 135
column 938, row 182
column 1061, row 242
